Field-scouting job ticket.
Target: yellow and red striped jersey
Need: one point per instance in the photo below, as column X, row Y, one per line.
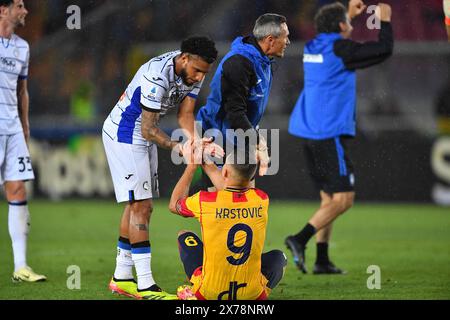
column 233, row 224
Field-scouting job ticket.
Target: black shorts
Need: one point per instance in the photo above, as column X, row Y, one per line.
column 329, row 164
column 191, row 254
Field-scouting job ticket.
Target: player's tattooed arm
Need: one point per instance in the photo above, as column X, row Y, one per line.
column 151, row 131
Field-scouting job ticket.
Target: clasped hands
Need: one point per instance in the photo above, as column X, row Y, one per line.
column 202, row 151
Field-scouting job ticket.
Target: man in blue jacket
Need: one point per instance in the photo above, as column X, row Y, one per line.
column 324, row 118
column 241, row 85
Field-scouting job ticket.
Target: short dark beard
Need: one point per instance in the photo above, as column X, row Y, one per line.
column 183, row 76
column 19, row 23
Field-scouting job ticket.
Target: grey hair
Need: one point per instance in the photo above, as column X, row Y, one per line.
column 268, row 24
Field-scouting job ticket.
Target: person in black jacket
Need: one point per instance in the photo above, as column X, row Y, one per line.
column 324, row 118
column 241, row 85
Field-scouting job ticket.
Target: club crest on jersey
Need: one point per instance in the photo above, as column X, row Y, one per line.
column 152, row 94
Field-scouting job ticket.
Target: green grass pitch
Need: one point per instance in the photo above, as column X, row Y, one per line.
column 410, row 244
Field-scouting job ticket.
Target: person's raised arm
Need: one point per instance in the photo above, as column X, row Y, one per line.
column 181, row 190
column 355, row 8
column 357, row 55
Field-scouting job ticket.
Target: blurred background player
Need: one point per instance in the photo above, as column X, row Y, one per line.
column 15, row 163
column 131, row 136
column 446, row 4
column 241, row 85
column 229, row 264
column 324, row 117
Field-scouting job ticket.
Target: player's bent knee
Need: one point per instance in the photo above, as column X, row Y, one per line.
column 273, row 264
column 188, row 238
column 279, row 257
column 274, row 259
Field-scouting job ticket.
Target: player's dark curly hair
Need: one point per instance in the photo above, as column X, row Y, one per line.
column 328, row 18
column 6, row 3
column 201, row 46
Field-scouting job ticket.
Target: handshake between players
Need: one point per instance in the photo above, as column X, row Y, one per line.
column 205, row 151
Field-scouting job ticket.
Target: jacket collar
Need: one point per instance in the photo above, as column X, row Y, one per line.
column 250, row 45
column 252, row 40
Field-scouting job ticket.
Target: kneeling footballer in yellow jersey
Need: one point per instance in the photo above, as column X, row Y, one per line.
column 229, row 264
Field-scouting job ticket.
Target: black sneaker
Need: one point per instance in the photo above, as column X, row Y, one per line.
column 327, row 268
column 298, row 251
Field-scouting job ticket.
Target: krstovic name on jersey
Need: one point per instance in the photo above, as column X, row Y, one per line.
column 14, row 57
column 158, row 88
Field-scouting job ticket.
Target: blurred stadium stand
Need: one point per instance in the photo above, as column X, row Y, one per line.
column 76, row 77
